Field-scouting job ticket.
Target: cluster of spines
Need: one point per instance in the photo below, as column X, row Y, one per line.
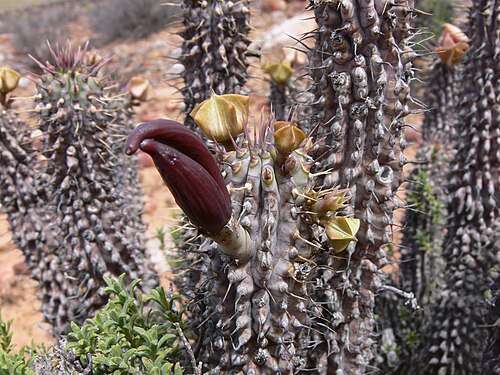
column 96, row 226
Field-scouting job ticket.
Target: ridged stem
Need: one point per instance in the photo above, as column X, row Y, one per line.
column 235, row 242
column 456, row 335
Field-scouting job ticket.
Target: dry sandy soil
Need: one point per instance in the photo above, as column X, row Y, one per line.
column 17, row 292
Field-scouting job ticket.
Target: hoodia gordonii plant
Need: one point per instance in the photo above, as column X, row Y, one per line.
column 97, row 227
column 455, row 338
column 361, row 69
column 253, row 308
column 421, row 262
column 214, row 49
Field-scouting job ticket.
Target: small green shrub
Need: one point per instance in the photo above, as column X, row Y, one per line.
column 14, row 363
column 128, row 337
column 132, row 334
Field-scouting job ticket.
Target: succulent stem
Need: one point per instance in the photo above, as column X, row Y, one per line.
column 235, row 242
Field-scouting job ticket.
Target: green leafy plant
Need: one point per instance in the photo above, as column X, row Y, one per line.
column 132, row 333
column 14, row 363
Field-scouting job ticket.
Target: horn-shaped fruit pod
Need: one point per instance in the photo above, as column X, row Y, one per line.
column 192, row 175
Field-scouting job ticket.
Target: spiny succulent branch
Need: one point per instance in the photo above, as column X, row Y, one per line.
column 182, row 158
column 92, row 190
column 421, row 263
column 251, row 307
column 214, row 50
column 455, row 338
column 422, row 241
column 20, row 194
column 361, row 70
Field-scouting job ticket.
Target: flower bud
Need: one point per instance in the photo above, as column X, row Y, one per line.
column 188, row 169
column 9, row 79
column 453, row 45
column 341, row 231
column 331, row 202
column 140, row 89
column 287, row 136
column 222, row 117
column 279, row 72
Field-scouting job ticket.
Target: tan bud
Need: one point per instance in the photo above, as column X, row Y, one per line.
column 331, row 202
column 9, row 79
column 279, row 72
column 341, row 231
column 453, row 45
column 222, row 117
column 287, row 136
column 92, row 57
column 140, row 89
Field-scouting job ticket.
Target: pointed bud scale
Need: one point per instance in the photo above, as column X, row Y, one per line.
column 140, row 89
column 222, row 117
column 9, row 79
column 279, row 72
column 453, row 45
column 189, row 171
column 93, row 57
column 287, row 136
column 341, row 231
column 331, row 202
